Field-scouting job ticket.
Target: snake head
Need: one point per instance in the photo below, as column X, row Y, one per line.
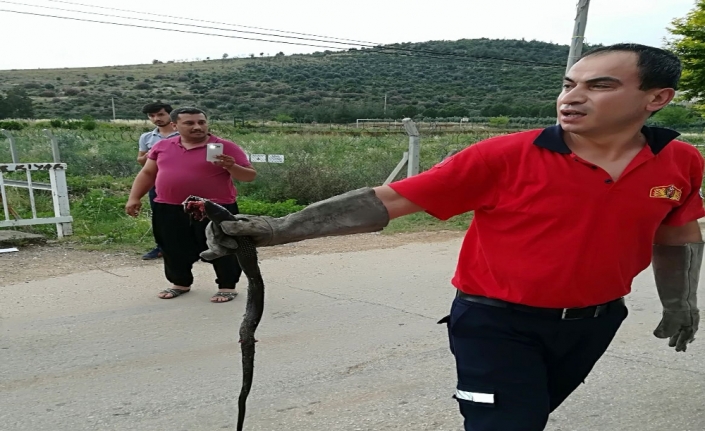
column 200, row 208
column 194, row 206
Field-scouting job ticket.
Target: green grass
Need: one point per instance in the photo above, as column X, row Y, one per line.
column 422, row 222
column 101, row 168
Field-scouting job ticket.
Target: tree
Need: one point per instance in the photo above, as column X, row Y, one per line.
column 689, row 45
column 283, row 118
column 408, row 111
column 16, row 104
column 674, row 116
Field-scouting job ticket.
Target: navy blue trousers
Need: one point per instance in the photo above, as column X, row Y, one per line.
column 514, row 367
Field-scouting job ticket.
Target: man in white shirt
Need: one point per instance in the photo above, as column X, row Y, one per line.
column 158, row 114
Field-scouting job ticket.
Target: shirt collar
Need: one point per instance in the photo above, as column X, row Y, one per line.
column 156, row 133
column 551, row 138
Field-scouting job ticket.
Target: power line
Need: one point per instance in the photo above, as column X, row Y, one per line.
column 176, row 23
column 162, row 29
column 380, row 49
column 433, row 54
column 209, row 22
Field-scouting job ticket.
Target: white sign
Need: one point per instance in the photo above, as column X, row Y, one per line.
column 258, row 158
column 275, row 158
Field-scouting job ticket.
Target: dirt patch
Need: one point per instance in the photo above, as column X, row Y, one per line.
column 36, row 262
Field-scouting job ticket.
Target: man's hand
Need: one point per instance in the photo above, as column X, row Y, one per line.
column 133, row 206
column 225, row 161
column 258, row 228
column 676, row 261
column 219, row 244
column 680, row 327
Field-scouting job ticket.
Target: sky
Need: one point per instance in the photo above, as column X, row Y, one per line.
column 31, row 42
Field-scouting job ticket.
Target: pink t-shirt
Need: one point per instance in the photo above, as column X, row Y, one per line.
column 182, row 172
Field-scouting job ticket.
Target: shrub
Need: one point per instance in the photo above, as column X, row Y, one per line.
column 11, row 125
column 273, row 209
column 499, row 121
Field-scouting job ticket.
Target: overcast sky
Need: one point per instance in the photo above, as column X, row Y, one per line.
column 41, row 42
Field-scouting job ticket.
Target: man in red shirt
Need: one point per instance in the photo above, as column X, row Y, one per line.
column 178, row 167
column 564, row 219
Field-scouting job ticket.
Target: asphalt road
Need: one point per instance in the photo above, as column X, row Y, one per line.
column 348, row 342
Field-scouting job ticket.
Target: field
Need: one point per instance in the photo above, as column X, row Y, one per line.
column 318, row 163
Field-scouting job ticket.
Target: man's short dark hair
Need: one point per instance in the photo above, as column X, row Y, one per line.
column 154, row 107
column 658, row 68
column 186, row 110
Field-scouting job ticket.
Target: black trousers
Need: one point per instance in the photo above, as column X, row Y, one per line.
column 514, row 367
column 152, row 196
column 182, row 240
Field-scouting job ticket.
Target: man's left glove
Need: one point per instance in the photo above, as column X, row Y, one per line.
column 219, row 244
column 677, row 273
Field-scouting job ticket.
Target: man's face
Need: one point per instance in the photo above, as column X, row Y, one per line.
column 601, row 95
column 159, row 119
column 192, row 126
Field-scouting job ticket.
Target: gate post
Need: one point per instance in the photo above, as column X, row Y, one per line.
column 11, row 139
column 414, row 147
column 60, row 195
column 54, row 145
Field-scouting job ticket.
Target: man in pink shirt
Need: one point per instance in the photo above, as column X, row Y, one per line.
column 178, row 167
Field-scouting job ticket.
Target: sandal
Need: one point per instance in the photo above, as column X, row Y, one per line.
column 229, row 296
column 173, row 292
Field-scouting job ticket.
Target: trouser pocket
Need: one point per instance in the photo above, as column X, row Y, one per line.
column 446, row 320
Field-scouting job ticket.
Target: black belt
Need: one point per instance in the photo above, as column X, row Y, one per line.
column 559, row 313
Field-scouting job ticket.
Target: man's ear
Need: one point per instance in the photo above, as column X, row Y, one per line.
column 659, row 99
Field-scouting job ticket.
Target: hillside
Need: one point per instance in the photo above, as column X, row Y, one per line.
column 325, row 86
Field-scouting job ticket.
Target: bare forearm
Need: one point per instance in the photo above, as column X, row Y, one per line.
column 396, row 204
column 240, row 173
column 142, row 184
column 678, row 235
column 142, row 159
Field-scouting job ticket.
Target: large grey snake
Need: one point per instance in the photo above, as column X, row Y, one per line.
column 246, row 254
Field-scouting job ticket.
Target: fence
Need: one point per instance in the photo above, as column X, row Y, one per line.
column 316, row 164
column 57, row 185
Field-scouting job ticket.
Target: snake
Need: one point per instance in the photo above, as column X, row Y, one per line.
column 246, row 254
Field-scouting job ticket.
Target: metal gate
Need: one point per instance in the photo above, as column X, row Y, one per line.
column 57, row 185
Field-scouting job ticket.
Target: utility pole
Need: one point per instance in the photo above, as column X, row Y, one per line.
column 576, row 42
column 113, row 101
column 385, row 104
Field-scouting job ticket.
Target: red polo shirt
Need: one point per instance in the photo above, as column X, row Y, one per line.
column 553, row 230
column 184, row 172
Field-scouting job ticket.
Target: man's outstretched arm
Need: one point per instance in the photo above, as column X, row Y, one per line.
column 677, row 259
column 357, row 211
column 459, row 184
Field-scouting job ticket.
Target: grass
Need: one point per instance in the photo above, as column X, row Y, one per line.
column 102, row 166
column 422, row 222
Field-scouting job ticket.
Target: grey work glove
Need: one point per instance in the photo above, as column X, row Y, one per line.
column 219, row 244
column 677, row 273
column 357, row 211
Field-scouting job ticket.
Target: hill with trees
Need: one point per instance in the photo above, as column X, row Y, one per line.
column 460, row 79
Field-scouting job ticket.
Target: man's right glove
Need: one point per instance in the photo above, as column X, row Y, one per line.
column 677, row 273
column 357, row 211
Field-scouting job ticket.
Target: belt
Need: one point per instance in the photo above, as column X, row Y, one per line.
column 559, row 313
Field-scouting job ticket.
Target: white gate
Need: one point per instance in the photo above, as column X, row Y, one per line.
column 58, row 187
